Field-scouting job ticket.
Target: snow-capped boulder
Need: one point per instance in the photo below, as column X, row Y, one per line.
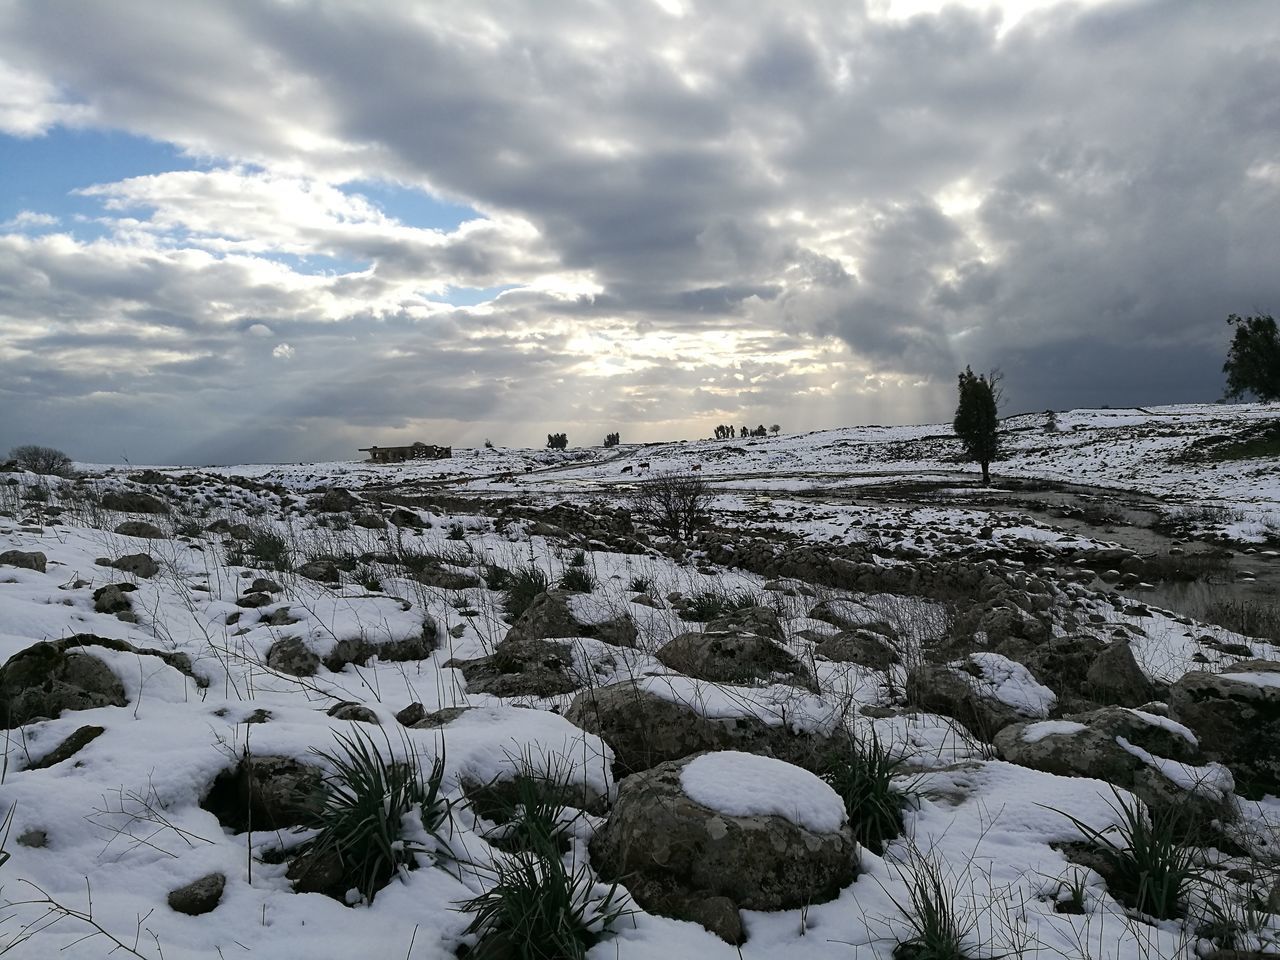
column 1157, row 759
column 732, row 656
column 563, row 613
column 985, row 692
column 655, row 719
column 1236, row 715
column 758, row 620
column 702, row 837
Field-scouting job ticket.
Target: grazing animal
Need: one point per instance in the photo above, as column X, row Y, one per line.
column 696, row 467
column 643, row 466
column 626, row 469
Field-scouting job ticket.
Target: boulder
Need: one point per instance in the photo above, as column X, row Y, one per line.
column 649, row 721
column 113, row 598
column 1133, row 750
column 1236, row 715
column 141, row 529
column 27, row 559
column 266, row 793
column 850, row 615
column 985, row 692
column 758, row 620
column 133, row 501
column 731, row 656
column 360, row 650
column 864, row 647
column 138, row 564
column 321, row 571
column 401, row 517
column 1082, row 669
column 687, row 848
column 521, row 668
column 563, row 613
column 200, row 896
column 49, row 677
column 69, row 747
column 291, row 655
column 353, row 712
column 337, row 500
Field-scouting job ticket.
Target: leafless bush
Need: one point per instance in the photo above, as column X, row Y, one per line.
column 675, row 503
column 47, row 461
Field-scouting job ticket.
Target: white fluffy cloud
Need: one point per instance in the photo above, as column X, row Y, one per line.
column 811, row 213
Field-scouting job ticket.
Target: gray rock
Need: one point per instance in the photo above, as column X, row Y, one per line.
column 1114, row 677
column 291, row 655
column 950, row 691
column 353, row 712
column 521, row 668
column 758, row 620
column 321, row 571
column 138, row 564
column 550, row 616
column 730, row 656
column 113, row 598
column 681, row 859
column 866, row 648
column 141, row 529
column 1236, row 715
column 266, row 793
column 645, row 729
column 27, row 559
column 69, row 747
column 337, row 500
column 33, row 838
column 1097, row 753
column 200, row 896
column 133, row 501
column 401, row 517
column 47, row 678
column 360, row 650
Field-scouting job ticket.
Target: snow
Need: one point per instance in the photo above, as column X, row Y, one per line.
column 775, row 705
column 1212, row 780
column 1035, row 732
column 1012, row 684
column 1164, row 723
column 1259, row 678
column 745, row 785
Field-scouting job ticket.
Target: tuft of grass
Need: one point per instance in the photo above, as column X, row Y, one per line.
column 578, row 559
column 524, row 585
column 269, row 549
column 640, row 584
column 540, row 909
column 368, row 578
column 863, row 774
column 496, row 577
column 361, row 824
column 531, row 807
column 577, row 579
column 938, row 928
column 457, row 532
column 1150, row 867
column 708, row 604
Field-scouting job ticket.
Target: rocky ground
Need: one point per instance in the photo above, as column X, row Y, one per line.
column 185, row 652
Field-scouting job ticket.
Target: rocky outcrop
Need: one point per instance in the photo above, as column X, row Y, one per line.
column 864, row 647
column 1158, row 761
column 521, row 668
column 690, row 859
column 646, row 723
column 730, row 656
column 1236, row 715
column 141, row 529
column 26, row 559
column 266, row 793
column 985, row 692
column 133, row 501
column 50, row 677
column 564, row 614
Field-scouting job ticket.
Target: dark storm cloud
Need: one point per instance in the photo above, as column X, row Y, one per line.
column 1079, row 198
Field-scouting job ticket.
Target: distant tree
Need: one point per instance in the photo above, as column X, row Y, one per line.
column 723, row 432
column 676, row 503
column 760, row 431
column 1253, row 363
column 775, row 429
column 977, row 423
column 488, row 444
column 1051, row 421
column 612, row 439
column 745, row 432
column 557, row 441
column 43, row 460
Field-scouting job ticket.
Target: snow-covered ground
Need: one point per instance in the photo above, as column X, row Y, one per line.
column 119, row 825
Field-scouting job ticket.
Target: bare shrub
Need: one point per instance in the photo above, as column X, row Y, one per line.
column 47, row 461
column 675, row 503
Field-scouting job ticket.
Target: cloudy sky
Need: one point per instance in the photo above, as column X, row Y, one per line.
column 282, row 229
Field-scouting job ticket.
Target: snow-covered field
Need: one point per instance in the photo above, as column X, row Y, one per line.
column 389, row 597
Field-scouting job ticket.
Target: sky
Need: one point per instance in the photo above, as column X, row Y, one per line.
column 280, row 230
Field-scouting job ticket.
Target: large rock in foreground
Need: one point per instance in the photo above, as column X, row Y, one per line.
column 732, row 656
column 1236, row 715
column 656, row 719
column 1158, row 760
column 700, row 838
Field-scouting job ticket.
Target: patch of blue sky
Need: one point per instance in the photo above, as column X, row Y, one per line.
column 471, row 296
column 41, row 174
column 317, row 264
column 411, row 206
